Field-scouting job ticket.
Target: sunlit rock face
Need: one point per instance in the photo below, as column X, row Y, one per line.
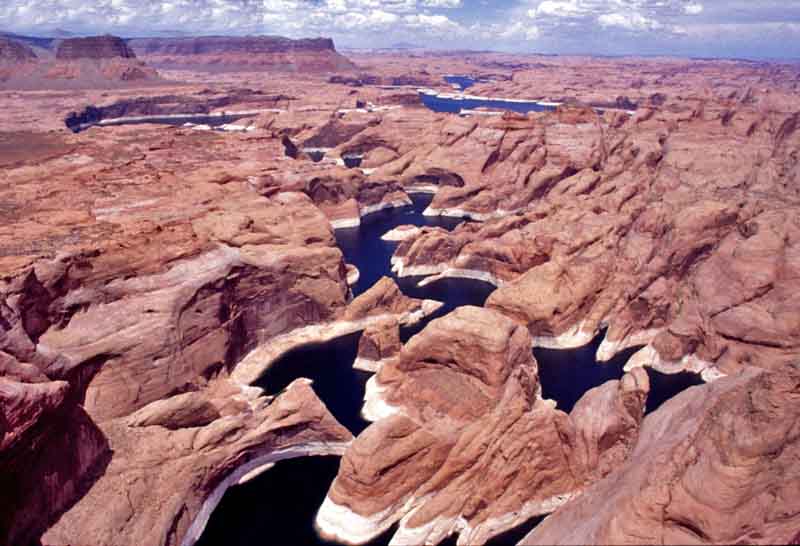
column 75, row 63
column 716, row 464
column 188, row 450
column 14, row 51
column 149, row 273
column 463, row 442
column 222, row 53
column 94, row 47
column 631, row 223
column 117, row 342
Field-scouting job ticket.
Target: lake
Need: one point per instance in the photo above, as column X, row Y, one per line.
column 279, row 506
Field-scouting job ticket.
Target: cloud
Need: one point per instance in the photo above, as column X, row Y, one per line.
column 520, row 30
column 630, row 21
column 432, row 23
column 694, row 27
column 367, row 20
column 560, row 8
column 622, row 15
column 693, row 9
column 441, row 3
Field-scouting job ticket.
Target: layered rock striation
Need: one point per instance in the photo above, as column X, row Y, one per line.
column 125, row 318
column 274, row 53
column 149, row 275
column 379, row 344
column 717, row 464
column 78, row 63
column 12, row 51
column 176, row 457
column 459, row 403
column 591, row 221
column 94, row 47
column 344, row 195
column 175, row 107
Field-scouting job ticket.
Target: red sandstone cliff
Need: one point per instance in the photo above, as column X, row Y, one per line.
column 94, row 47
column 14, row 51
column 79, row 63
column 241, row 53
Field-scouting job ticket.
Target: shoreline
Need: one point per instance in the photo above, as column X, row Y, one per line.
column 176, row 117
column 260, row 359
column 247, row 470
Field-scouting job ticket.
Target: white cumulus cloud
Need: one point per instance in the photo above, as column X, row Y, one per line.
column 693, row 9
column 629, row 21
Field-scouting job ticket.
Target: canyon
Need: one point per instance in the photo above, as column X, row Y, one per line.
column 160, row 276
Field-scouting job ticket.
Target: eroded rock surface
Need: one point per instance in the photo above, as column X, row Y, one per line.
column 462, row 402
column 94, row 47
column 143, row 267
column 123, row 314
column 217, row 53
column 382, row 302
column 76, row 63
column 37, row 419
column 14, row 51
column 593, row 221
column 173, row 472
column 379, row 343
column 715, row 465
column 345, row 195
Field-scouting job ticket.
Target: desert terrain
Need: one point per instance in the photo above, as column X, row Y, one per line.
column 174, row 217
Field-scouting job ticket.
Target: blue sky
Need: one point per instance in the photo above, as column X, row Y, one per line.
column 712, row 28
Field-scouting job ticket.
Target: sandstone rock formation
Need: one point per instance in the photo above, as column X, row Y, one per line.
column 39, row 417
column 14, row 51
column 344, row 195
column 77, row 63
column 715, row 465
column 379, row 343
column 219, row 53
column 148, row 273
column 460, row 403
column 594, row 221
column 123, row 315
column 382, row 302
column 14, row 57
column 93, row 47
column 172, row 471
column 164, row 106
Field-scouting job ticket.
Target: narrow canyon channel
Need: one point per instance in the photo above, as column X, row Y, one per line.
column 455, row 104
column 281, row 503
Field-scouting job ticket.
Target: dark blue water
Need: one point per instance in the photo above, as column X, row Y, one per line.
column 362, row 246
column 279, row 506
column 566, row 375
column 276, row 508
column 454, row 106
column 330, row 367
column 463, row 82
column 663, row 387
column 352, row 161
column 510, row 537
column 315, row 155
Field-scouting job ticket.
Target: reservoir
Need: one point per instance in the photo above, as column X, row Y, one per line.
column 454, row 104
column 279, row 506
